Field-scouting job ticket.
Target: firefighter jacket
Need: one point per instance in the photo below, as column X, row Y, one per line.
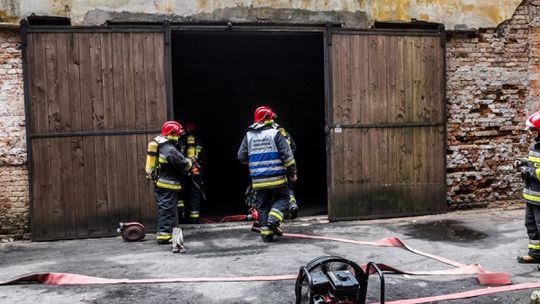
column 530, row 172
column 172, row 165
column 268, row 156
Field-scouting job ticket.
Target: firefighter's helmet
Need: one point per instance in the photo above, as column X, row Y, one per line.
column 533, row 121
column 190, row 127
column 263, row 114
column 172, row 127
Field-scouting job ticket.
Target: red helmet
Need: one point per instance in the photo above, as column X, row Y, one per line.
column 263, row 113
column 172, row 128
column 533, row 121
column 190, row 127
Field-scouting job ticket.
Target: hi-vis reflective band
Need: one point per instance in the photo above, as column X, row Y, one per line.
column 531, row 195
column 264, row 163
column 484, row 277
column 163, row 237
column 194, row 214
column 258, row 184
column 266, row 231
column 267, row 171
column 162, row 159
column 534, row 157
column 277, row 214
column 290, row 163
column 168, row 184
column 534, row 244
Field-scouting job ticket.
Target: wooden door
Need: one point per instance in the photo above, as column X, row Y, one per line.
column 386, row 124
column 94, row 100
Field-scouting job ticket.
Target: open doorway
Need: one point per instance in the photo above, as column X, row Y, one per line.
column 220, row 78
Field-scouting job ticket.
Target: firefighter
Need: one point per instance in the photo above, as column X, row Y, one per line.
column 530, row 172
column 271, row 164
column 170, row 168
column 192, row 195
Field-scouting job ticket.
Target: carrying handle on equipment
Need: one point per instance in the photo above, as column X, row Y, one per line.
column 381, row 277
column 303, row 271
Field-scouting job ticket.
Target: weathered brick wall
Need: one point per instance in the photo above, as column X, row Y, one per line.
column 14, row 208
column 487, row 102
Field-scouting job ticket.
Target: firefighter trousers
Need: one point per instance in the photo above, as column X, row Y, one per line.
column 166, row 201
column 532, row 223
column 272, row 204
column 192, row 196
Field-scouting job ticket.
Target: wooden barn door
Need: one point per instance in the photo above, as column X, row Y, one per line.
column 386, row 121
column 94, row 100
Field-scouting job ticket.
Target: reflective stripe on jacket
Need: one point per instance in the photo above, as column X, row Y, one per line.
column 268, row 155
column 265, row 166
column 172, row 165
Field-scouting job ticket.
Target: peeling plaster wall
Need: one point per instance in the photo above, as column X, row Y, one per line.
column 453, row 13
column 488, row 99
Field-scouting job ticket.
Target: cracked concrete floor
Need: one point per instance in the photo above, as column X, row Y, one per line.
column 492, row 238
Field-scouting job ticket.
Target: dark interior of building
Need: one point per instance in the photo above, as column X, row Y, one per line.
column 221, row 78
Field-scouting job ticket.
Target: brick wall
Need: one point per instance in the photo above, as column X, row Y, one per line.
column 487, row 102
column 14, row 208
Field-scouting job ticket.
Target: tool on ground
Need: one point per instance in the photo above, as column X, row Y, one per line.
column 178, row 241
column 131, row 231
column 334, row 280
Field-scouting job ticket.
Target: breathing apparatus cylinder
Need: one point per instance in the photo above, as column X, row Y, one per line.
column 190, row 150
column 151, row 158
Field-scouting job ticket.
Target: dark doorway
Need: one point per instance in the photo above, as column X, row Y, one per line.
column 221, row 78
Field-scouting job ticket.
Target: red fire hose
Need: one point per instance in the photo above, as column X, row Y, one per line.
column 484, row 277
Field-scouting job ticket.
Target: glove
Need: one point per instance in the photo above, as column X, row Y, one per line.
column 293, row 178
column 520, row 162
column 195, row 167
column 527, row 172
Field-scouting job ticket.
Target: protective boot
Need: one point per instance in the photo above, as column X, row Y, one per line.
column 533, row 257
column 163, row 237
column 256, row 227
column 293, row 207
column 275, row 217
column 275, row 228
column 527, row 259
column 267, row 235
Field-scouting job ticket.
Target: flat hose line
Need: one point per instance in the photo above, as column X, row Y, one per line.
column 485, row 277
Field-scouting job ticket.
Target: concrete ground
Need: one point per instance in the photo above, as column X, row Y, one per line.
column 492, row 238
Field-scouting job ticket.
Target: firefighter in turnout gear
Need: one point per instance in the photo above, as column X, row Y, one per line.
column 530, row 172
column 169, row 167
column 190, row 200
column 271, row 164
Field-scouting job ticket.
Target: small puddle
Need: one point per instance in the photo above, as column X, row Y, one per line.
column 445, row 230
